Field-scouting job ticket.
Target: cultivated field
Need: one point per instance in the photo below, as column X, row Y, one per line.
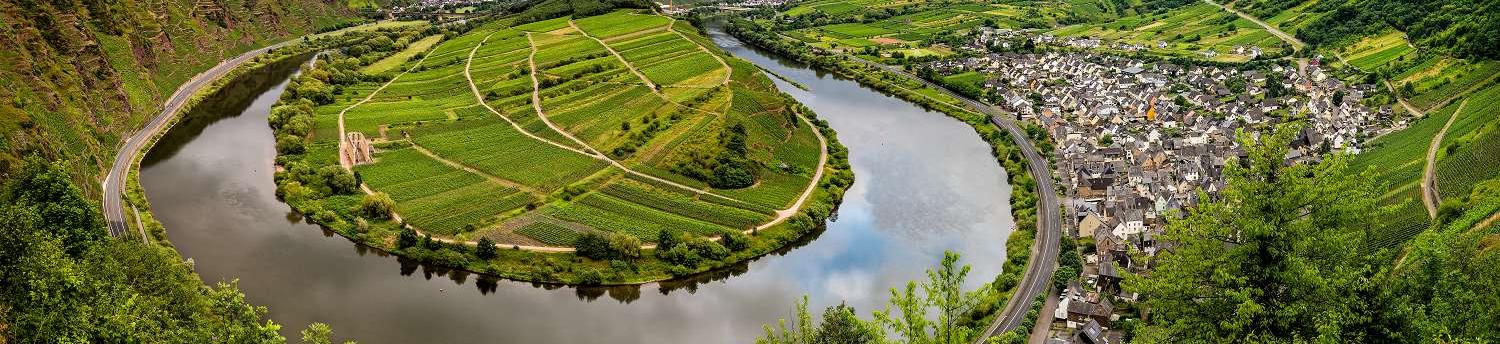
column 1187, row 31
column 1398, row 159
column 622, row 122
column 1376, row 51
column 918, row 23
column 1470, row 151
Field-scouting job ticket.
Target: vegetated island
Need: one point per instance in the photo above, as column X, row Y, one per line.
column 619, row 148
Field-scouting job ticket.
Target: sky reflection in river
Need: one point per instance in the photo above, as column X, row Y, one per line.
column 925, row 184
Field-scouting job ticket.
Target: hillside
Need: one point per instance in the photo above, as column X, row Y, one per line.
column 80, row 75
column 1465, row 28
column 545, row 136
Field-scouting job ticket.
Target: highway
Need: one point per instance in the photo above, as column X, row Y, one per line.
column 114, row 182
column 1044, row 250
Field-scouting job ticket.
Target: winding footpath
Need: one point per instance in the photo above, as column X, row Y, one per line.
column 114, row 182
column 1430, row 196
column 1044, row 248
column 781, row 215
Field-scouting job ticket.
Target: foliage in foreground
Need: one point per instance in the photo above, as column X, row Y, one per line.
column 1283, row 257
column 62, row 280
column 931, row 316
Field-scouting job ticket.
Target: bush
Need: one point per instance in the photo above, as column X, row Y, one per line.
column 486, row 249
column 407, row 238
column 378, row 205
column 681, row 255
column 668, row 238
column 593, row 246
column 624, row 246
column 708, row 249
column 736, row 241
column 591, row 277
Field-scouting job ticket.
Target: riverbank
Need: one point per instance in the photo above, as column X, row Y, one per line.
column 1024, row 199
column 341, row 201
column 134, row 197
column 927, row 184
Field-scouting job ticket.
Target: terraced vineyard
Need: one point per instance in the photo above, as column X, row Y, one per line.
column 1397, row 160
column 623, row 122
column 1187, row 31
column 1469, row 150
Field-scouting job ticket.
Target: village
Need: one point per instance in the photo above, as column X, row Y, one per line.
column 1136, row 141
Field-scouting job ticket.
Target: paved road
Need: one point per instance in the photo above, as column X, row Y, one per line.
column 1297, row 44
column 114, row 186
column 1044, row 249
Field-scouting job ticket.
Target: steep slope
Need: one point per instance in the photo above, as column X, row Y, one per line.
column 82, row 74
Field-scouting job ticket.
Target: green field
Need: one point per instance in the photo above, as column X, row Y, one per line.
column 1187, row 31
column 919, row 23
column 1438, row 80
column 654, row 99
column 1398, row 159
column 1376, row 51
column 396, row 60
column 1470, row 151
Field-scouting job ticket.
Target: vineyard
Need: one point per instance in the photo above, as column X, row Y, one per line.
column 464, row 151
column 1470, row 148
column 1397, row 160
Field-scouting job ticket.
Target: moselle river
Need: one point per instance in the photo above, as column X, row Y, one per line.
column 925, row 183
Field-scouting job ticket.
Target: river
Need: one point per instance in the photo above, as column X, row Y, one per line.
column 925, row 184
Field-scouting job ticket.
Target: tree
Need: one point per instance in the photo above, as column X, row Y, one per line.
column 407, row 237
column 60, row 206
column 1281, row 256
column 667, row 238
column 736, row 241
column 625, row 246
column 941, row 295
column 317, row 333
column 378, row 205
column 593, row 246
column 339, row 180
column 486, row 249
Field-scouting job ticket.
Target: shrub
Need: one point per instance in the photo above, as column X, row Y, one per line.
column 736, row 241
column 708, row 249
column 591, row 277
column 593, row 246
column 486, row 249
column 407, row 238
column 378, row 205
column 624, row 246
column 668, row 238
column 680, row 254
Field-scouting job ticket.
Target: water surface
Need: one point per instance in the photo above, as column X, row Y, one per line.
column 926, row 183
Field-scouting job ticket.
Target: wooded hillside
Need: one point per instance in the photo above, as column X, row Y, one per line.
column 80, row 75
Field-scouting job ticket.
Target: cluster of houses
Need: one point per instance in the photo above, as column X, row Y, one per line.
column 1136, row 140
column 985, row 36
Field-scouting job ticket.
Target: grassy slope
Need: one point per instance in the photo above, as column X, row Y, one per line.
column 77, row 82
column 591, row 96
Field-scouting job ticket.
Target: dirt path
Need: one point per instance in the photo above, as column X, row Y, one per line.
column 1297, row 44
column 612, row 51
column 781, row 215
column 728, row 71
column 497, row 180
column 1402, row 100
column 1475, row 87
column 1430, row 196
column 468, row 75
column 1487, row 222
column 343, row 142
